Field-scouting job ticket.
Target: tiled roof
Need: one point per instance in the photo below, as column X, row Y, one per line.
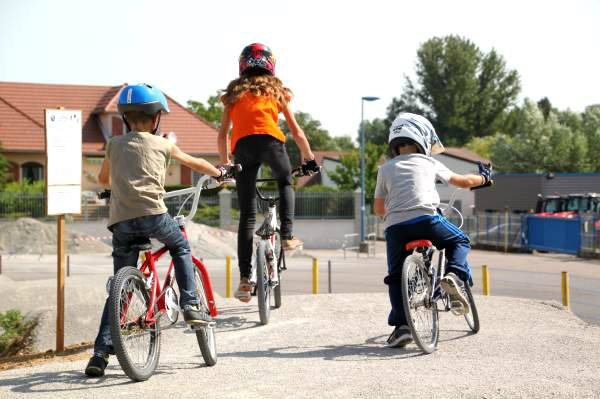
column 22, row 117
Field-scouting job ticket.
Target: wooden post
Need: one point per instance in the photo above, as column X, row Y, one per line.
column 329, row 276
column 486, row 280
column 315, row 273
column 565, row 289
column 228, row 277
column 60, row 286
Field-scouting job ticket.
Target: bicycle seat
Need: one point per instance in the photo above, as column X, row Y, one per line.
column 418, row 244
column 141, row 244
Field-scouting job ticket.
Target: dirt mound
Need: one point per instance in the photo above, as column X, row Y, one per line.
column 211, row 242
column 30, row 236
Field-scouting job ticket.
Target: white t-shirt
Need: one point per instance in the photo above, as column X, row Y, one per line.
column 407, row 183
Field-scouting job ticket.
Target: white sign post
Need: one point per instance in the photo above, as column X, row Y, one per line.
column 63, row 190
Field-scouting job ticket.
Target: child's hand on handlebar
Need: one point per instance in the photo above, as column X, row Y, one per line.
column 228, row 171
column 485, row 171
column 310, row 167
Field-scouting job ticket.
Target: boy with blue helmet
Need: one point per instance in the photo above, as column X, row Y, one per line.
column 134, row 168
column 407, row 198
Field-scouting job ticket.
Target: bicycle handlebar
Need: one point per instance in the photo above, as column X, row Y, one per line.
column 297, row 172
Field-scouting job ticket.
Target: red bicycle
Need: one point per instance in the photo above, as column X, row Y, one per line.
column 139, row 305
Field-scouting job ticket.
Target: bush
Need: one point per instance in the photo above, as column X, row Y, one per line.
column 16, row 333
column 25, row 187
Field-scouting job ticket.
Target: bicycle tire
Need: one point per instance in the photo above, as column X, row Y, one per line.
column 128, row 294
column 280, row 268
column 416, row 292
column 205, row 335
column 472, row 318
column 263, row 288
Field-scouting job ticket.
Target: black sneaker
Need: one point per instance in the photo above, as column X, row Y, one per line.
column 194, row 316
column 399, row 338
column 96, row 365
column 455, row 287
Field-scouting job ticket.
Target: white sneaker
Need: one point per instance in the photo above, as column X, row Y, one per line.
column 455, row 288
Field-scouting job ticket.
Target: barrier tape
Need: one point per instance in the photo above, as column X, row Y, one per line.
column 92, row 238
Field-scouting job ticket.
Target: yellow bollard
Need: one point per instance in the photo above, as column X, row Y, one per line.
column 228, row 277
column 486, row 280
column 315, row 288
column 565, row 289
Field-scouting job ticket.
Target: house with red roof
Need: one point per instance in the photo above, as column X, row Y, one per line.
column 22, row 129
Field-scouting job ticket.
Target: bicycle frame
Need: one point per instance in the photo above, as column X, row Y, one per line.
column 266, row 232
column 148, row 267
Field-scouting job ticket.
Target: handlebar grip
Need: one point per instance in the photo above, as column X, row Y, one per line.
column 488, row 184
column 104, row 194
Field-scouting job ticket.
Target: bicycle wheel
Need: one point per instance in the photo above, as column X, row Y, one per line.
column 263, row 288
column 472, row 317
column 421, row 313
column 137, row 344
column 280, row 268
column 205, row 335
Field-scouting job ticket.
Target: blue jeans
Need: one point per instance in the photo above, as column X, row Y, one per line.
column 164, row 229
column 443, row 235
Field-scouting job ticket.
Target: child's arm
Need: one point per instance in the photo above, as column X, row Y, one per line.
column 223, row 141
column 104, row 175
column 298, row 134
column 467, row 181
column 379, row 207
column 198, row 164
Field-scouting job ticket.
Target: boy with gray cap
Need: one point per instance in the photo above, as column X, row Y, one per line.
column 407, row 198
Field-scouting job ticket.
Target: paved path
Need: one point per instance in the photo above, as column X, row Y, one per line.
column 331, row 346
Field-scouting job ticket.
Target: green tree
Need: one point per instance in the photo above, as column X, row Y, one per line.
column 376, row 131
column 318, row 137
column 462, row 90
column 590, row 122
column 4, row 170
column 542, row 144
column 347, row 174
column 212, row 112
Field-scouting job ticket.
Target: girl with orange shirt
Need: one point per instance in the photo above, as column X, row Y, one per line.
column 252, row 105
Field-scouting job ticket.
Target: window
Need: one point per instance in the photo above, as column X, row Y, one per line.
column 32, row 171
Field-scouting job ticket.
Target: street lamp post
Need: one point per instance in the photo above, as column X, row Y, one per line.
column 363, row 242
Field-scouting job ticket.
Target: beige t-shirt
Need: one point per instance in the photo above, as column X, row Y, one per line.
column 138, row 165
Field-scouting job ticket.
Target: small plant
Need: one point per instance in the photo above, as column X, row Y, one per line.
column 16, row 333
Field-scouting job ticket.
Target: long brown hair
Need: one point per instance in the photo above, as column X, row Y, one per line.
column 258, row 85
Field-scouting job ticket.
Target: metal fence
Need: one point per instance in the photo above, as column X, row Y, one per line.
column 327, row 205
column 308, row 205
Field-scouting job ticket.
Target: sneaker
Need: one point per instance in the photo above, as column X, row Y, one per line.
column 244, row 291
column 455, row 287
column 194, row 316
column 292, row 243
column 96, row 365
column 399, row 338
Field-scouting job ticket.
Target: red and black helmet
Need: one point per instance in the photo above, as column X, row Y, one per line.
column 257, row 57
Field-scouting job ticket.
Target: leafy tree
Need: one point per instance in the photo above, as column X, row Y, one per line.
column 542, row 145
column 376, row 131
column 212, row 112
column 590, row 123
column 318, row 137
column 347, row 174
column 4, row 170
column 462, row 90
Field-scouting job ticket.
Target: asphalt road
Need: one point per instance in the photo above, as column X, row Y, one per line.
column 517, row 275
column 331, row 346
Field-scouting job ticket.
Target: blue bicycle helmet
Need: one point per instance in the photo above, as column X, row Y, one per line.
column 142, row 98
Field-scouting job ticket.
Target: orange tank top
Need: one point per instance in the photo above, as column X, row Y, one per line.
column 254, row 115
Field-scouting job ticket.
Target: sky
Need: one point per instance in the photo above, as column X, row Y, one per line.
column 330, row 53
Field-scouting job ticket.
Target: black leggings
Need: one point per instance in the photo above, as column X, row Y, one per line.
column 251, row 152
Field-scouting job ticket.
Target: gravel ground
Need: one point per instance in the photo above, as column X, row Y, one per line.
column 331, row 346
